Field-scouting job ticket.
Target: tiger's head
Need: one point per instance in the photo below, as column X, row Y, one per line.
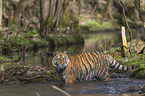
column 60, row 61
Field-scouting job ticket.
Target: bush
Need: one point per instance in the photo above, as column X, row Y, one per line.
column 15, row 43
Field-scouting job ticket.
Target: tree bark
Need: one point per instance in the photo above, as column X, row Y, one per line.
column 0, row 13
column 41, row 32
column 19, row 11
column 137, row 4
column 109, row 8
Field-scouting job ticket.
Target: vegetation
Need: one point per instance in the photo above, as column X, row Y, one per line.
column 136, row 58
column 112, row 14
column 108, row 25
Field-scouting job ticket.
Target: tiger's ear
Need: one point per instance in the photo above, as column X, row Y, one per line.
column 64, row 52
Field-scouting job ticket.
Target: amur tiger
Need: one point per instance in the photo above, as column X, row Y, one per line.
column 85, row 66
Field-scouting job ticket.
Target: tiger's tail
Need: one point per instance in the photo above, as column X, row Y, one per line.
column 119, row 67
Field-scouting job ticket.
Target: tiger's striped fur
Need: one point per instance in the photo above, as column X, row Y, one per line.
column 85, row 66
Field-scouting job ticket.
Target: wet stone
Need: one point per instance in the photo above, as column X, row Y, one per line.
column 132, row 89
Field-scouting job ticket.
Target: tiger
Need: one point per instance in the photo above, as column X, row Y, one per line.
column 85, row 66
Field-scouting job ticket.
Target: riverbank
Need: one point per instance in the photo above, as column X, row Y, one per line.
column 134, row 58
column 29, row 41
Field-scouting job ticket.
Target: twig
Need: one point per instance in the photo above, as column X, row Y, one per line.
column 61, row 90
column 120, row 78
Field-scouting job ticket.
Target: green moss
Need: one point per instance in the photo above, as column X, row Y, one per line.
column 70, row 19
column 66, row 19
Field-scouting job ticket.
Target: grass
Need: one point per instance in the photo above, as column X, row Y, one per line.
column 106, row 25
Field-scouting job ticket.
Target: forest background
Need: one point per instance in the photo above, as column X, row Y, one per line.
column 49, row 16
column 27, row 24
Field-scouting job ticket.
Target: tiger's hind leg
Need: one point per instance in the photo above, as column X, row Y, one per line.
column 104, row 77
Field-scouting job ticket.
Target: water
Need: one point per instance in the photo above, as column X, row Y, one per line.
column 100, row 42
column 111, row 88
column 34, row 89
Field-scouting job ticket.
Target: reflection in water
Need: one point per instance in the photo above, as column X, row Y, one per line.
column 71, row 49
column 101, row 41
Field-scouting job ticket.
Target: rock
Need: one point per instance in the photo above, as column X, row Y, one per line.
column 137, row 45
column 142, row 88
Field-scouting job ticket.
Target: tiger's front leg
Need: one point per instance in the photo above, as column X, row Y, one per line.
column 70, row 79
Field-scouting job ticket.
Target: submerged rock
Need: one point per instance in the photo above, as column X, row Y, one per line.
column 142, row 87
column 132, row 89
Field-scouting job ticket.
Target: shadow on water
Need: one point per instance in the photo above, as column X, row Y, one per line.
column 99, row 42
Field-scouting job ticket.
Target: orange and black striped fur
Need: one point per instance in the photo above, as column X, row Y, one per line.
column 85, row 66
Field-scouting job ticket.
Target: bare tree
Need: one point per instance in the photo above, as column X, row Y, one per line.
column 137, row 6
column 51, row 15
column 46, row 15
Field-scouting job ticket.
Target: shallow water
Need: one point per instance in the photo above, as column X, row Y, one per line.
column 90, row 88
column 34, row 89
column 114, row 87
column 100, row 42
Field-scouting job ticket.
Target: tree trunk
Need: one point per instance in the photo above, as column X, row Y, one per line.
column 19, row 11
column 109, row 8
column 0, row 13
column 137, row 4
column 41, row 32
column 51, row 14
